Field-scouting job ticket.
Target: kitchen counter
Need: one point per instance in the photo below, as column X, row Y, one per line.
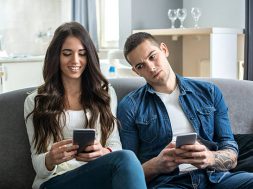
column 21, row 59
column 20, row 72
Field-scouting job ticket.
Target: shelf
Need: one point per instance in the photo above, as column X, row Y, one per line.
column 191, row 31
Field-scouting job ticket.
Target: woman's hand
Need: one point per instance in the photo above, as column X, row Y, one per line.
column 92, row 152
column 60, row 152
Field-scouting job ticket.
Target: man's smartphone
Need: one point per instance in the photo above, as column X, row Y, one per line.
column 184, row 139
column 83, row 137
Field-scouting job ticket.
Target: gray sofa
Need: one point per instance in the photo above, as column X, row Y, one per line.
column 16, row 171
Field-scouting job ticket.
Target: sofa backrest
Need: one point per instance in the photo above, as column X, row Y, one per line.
column 16, row 167
column 238, row 96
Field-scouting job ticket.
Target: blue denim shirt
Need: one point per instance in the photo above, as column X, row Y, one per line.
column 146, row 128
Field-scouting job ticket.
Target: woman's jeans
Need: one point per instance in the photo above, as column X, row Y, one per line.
column 118, row 170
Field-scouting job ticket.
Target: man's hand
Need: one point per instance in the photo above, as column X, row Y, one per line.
column 201, row 157
column 196, row 154
column 163, row 163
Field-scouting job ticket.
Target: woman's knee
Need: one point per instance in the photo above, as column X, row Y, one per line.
column 126, row 157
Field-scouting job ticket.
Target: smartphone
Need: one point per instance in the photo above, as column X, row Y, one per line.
column 189, row 138
column 84, row 138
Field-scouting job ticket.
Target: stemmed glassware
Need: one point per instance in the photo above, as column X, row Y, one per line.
column 196, row 13
column 172, row 14
column 181, row 14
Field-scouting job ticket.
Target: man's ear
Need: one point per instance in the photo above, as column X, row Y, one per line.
column 134, row 70
column 164, row 49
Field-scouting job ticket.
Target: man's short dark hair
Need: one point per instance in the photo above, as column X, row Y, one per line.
column 136, row 39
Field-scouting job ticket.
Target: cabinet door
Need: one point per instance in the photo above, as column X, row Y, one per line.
column 223, row 55
column 21, row 75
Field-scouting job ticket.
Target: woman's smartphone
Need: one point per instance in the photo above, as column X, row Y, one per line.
column 84, row 138
column 184, row 139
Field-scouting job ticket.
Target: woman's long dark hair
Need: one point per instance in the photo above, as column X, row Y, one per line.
column 50, row 101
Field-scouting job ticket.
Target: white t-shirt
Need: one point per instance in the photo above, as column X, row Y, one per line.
column 179, row 122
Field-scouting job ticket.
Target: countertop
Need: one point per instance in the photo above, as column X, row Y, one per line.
column 21, row 59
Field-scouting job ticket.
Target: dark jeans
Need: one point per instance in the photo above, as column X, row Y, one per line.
column 199, row 180
column 120, row 169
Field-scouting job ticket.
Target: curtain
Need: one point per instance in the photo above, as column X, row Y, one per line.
column 248, row 56
column 84, row 12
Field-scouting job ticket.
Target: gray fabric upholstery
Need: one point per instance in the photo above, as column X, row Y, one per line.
column 239, row 98
column 15, row 165
column 15, row 160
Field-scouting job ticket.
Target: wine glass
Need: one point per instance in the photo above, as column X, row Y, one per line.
column 196, row 13
column 181, row 14
column 172, row 14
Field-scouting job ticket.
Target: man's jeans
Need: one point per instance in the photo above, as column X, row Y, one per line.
column 198, row 179
column 120, row 169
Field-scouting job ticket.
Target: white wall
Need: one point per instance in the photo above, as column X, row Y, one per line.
column 125, row 21
column 148, row 14
column 143, row 14
column 217, row 13
column 23, row 20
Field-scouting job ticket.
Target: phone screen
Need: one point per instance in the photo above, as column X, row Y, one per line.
column 189, row 138
column 84, row 138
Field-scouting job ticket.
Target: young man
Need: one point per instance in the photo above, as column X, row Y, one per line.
column 170, row 105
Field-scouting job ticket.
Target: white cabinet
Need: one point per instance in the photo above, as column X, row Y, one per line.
column 203, row 52
column 18, row 75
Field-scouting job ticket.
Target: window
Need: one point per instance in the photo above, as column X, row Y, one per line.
column 108, row 23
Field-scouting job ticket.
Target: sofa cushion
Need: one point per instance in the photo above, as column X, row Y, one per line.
column 245, row 158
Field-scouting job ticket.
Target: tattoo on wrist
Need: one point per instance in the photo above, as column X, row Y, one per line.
column 224, row 160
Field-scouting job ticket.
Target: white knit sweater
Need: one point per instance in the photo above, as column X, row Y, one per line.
column 74, row 119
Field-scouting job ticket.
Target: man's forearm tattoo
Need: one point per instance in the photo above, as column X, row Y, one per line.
column 224, row 160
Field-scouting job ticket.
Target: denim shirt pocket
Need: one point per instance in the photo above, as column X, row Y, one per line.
column 147, row 128
column 206, row 118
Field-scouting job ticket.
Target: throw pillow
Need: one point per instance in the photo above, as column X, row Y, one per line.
column 245, row 158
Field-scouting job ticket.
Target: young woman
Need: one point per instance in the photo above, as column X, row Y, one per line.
column 76, row 95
